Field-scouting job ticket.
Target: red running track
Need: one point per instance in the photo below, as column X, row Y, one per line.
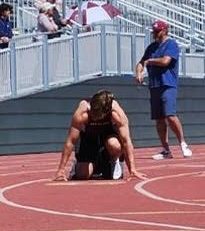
column 173, row 198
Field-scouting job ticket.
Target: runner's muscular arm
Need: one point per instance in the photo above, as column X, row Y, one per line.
column 78, row 120
column 120, row 119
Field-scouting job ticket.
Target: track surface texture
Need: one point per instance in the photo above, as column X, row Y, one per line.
column 172, row 198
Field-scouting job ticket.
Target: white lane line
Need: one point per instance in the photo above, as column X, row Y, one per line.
column 139, row 188
column 86, row 183
column 82, row 216
column 153, row 213
column 114, row 230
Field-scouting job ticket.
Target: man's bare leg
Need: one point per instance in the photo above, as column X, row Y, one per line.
column 176, row 127
column 162, row 130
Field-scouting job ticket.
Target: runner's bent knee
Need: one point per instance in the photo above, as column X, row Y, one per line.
column 113, row 146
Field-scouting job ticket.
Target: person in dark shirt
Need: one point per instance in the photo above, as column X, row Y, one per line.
column 102, row 127
column 5, row 25
column 161, row 58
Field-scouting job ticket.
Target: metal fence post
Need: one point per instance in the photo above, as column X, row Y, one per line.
column 183, row 61
column 45, row 79
column 133, row 50
column 64, row 8
column 13, row 80
column 103, row 50
column 147, row 37
column 192, row 35
column 80, row 20
column 118, row 50
column 75, row 55
column 204, row 43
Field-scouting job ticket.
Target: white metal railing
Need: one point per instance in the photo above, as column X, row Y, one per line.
column 27, row 19
column 45, row 64
column 5, row 68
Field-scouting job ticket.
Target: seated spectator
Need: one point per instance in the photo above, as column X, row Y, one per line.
column 39, row 3
column 45, row 20
column 5, row 25
column 59, row 21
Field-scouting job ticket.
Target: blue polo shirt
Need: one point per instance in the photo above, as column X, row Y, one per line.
column 5, row 30
column 163, row 76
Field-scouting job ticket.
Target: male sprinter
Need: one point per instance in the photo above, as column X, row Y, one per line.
column 102, row 128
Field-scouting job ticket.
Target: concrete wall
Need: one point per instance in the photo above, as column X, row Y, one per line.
column 39, row 123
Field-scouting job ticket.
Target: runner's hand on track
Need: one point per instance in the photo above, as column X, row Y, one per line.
column 60, row 176
column 136, row 174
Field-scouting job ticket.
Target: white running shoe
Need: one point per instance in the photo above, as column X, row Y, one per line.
column 117, row 170
column 163, row 155
column 187, row 152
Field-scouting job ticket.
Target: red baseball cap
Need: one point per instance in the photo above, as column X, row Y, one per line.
column 159, row 25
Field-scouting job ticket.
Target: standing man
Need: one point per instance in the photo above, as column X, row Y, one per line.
column 5, row 25
column 102, row 128
column 161, row 58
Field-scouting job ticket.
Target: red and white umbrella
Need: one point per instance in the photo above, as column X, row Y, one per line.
column 93, row 11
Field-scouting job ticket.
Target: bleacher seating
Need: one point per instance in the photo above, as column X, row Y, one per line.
column 186, row 17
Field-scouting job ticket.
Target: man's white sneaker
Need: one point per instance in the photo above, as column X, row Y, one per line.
column 186, row 150
column 163, row 155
